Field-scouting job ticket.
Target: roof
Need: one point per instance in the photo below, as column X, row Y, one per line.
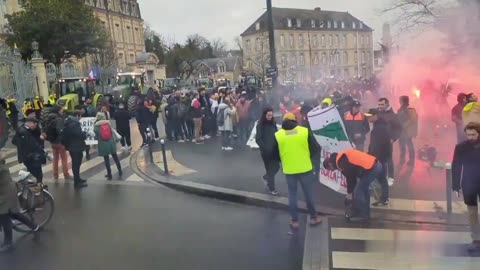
column 230, row 62
column 281, row 16
column 147, row 57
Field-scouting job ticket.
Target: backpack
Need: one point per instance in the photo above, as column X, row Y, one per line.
column 52, row 133
column 105, row 132
column 221, row 117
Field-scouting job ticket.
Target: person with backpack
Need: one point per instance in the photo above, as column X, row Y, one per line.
column 107, row 144
column 144, row 118
column 53, row 130
column 74, row 140
column 226, row 114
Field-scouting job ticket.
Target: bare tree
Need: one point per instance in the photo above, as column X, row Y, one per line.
column 238, row 42
column 219, row 47
column 410, row 14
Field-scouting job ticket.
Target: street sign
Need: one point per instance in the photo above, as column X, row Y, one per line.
column 271, row 72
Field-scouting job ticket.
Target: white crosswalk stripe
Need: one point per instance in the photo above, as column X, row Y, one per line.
column 125, row 163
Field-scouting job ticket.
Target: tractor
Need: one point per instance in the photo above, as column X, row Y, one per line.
column 131, row 88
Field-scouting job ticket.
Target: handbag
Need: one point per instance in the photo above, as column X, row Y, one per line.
column 117, row 135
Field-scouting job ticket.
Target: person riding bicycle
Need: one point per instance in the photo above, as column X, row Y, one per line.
column 9, row 207
column 28, row 140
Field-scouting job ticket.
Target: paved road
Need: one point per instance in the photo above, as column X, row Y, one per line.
column 149, row 227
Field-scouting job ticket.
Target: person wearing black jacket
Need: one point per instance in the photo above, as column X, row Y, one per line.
column 381, row 147
column 144, row 118
column 385, row 112
column 206, row 107
column 122, row 119
column 265, row 138
column 29, row 140
column 466, row 177
column 74, row 140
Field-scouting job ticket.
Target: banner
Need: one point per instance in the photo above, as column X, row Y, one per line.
column 251, row 140
column 329, row 131
column 87, row 124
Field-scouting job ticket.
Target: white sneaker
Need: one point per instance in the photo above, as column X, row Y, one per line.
column 207, row 137
column 228, row 148
column 194, row 141
column 390, row 181
column 223, row 148
column 181, row 141
column 202, row 138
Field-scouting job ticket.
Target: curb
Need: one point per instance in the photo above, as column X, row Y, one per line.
column 154, row 174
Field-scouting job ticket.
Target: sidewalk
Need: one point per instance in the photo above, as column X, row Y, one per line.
column 236, row 176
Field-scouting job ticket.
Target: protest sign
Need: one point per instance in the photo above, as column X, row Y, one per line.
column 251, row 140
column 87, row 124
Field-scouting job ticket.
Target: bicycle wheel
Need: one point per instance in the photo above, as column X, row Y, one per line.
column 40, row 214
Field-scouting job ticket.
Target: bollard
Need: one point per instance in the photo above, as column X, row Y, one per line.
column 448, row 184
column 164, row 154
column 150, row 146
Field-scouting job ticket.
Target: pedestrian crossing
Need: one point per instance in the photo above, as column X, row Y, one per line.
column 382, row 245
column 92, row 170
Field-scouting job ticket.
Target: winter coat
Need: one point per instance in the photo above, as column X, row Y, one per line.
column 394, row 126
column 465, row 169
column 54, row 120
column 105, row 148
column 265, row 137
column 73, row 137
column 380, row 141
column 8, row 191
column 356, row 124
column 243, row 109
column 122, row 119
column 407, row 116
column 229, row 114
column 144, row 115
column 471, row 113
column 29, row 144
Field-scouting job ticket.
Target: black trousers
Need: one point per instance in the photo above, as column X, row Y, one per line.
column 117, row 162
column 6, row 224
column 155, row 128
column 35, row 168
column 143, row 132
column 76, row 157
column 271, row 167
column 125, row 140
column 14, row 121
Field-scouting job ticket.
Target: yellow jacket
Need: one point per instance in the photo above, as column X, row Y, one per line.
column 471, row 113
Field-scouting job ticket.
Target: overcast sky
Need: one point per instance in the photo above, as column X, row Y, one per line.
column 227, row 19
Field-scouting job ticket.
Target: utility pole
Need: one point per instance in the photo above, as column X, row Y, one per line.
column 271, row 39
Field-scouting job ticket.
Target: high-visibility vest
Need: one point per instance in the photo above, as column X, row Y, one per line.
column 37, row 104
column 357, row 117
column 357, row 158
column 294, row 150
column 51, row 100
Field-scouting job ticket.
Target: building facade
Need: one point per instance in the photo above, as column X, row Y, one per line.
column 123, row 20
column 216, row 69
column 310, row 45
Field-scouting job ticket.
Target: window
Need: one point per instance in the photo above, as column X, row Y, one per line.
column 258, row 44
column 132, row 58
column 343, row 24
column 221, row 68
column 282, row 41
column 128, row 35
column 292, row 41
column 322, row 40
column 316, row 59
column 367, row 57
column 293, row 59
column 344, row 41
column 118, row 36
column 361, row 25
column 284, row 61
column 367, row 41
column 330, row 41
column 355, row 41
column 121, row 60
column 355, row 57
column 337, row 41
column 321, row 23
column 315, row 41
column 354, row 25
column 299, row 23
column 335, row 25
column 329, row 24
column 314, row 24
column 324, row 58
column 346, row 73
column 345, row 57
column 257, row 26
column 363, row 57
column 337, row 58
column 301, row 60
column 300, row 41
column 289, row 22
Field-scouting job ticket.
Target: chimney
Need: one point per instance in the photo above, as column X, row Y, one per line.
column 317, row 9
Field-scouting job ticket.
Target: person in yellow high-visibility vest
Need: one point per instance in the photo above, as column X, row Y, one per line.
column 37, row 106
column 52, row 99
column 27, row 108
column 295, row 146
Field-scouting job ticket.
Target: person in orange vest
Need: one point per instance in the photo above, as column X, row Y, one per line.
column 356, row 125
column 355, row 164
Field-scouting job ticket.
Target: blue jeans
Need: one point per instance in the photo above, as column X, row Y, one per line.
column 306, row 181
column 361, row 194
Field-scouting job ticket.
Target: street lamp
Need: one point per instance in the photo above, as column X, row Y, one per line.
column 35, row 48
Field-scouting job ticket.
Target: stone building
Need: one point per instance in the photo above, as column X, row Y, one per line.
column 310, row 45
column 216, row 69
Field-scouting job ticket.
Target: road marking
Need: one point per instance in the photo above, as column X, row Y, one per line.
column 380, row 260
column 174, row 167
column 433, row 237
column 458, row 207
column 134, row 178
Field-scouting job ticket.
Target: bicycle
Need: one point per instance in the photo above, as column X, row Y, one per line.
column 36, row 202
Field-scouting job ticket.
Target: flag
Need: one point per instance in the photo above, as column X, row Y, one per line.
column 329, row 131
column 91, row 76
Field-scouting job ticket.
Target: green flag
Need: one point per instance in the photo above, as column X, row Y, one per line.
column 332, row 131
